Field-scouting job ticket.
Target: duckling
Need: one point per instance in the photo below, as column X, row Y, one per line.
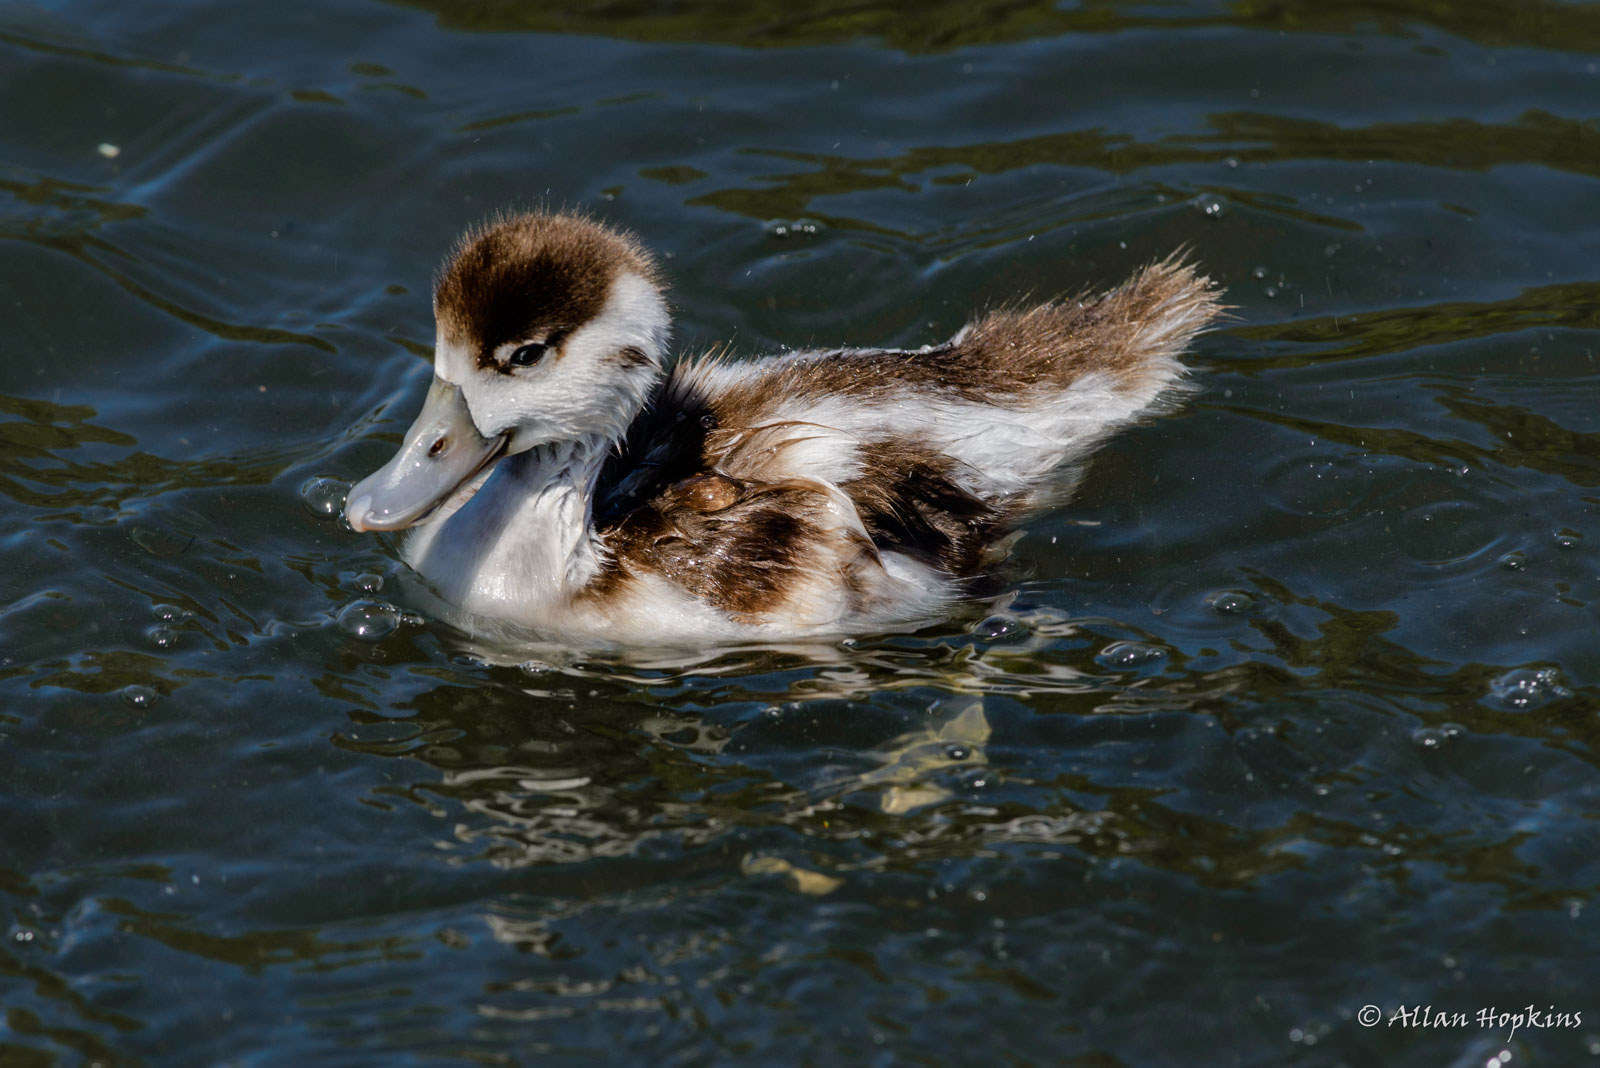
column 561, row 482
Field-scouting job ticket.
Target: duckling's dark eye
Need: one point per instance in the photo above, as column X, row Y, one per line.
column 528, row 355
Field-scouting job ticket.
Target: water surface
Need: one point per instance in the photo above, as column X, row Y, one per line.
column 1292, row 711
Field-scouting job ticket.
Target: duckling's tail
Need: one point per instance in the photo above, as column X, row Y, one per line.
column 1002, row 415
column 1057, row 379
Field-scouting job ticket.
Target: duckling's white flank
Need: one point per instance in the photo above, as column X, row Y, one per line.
column 559, row 482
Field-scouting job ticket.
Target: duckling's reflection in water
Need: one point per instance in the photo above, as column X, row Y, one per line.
column 623, row 762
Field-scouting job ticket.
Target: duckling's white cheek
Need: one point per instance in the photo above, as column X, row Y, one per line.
column 507, row 402
column 486, row 406
column 453, row 363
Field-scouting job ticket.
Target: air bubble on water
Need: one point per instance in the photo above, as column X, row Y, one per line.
column 1210, row 206
column 323, row 496
column 535, row 668
column 1258, row 273
column 171, row 613
column 1270, row 291
column 140, row 696
column 367, row 582
column 1231, row 163
column 957, row 751
column 1524, row 689
column 161, row 637
column 793, row 227
column 1567, row 538
column 1001, row 629
column 1515, row 560
column 1230, row 602
column 1430, row 737
column 1130, row 654
column 370, row 621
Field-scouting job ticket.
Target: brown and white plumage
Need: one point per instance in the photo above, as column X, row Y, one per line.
column 561, row 482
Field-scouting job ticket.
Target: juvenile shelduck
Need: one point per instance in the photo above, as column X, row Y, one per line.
column 560, row 482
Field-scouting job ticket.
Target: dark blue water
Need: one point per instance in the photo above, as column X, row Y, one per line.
column 1293, row 711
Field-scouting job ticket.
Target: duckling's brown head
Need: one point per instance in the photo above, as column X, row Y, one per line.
column 549, row 329
column 538, row 279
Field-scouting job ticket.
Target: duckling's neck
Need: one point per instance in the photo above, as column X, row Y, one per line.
column 523, row 540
